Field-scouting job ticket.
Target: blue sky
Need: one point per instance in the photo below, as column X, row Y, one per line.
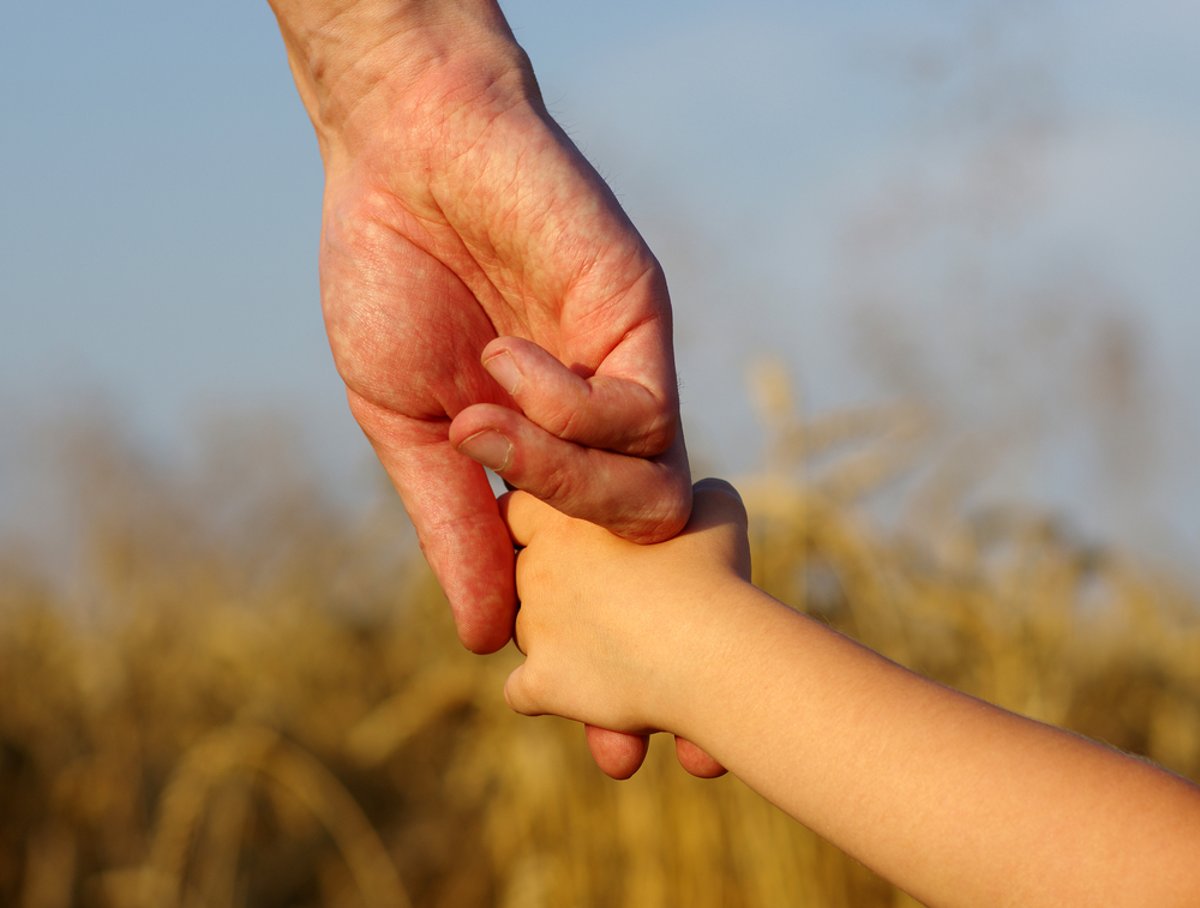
column 972, row 204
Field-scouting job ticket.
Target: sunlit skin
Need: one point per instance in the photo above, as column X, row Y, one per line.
column 953, row 799
column 485, row 297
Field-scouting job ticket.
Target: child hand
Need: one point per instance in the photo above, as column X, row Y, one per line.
column 609, row 628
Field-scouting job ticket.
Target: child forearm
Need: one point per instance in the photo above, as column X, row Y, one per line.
column 955, row 800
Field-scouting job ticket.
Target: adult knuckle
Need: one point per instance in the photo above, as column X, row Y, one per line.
column 666, row 513
column 562, row 420
column 558, row 486
column 658, row 434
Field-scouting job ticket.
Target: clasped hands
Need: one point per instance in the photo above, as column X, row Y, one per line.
column 487, row 301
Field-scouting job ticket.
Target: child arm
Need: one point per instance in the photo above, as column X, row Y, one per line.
column 953, row 799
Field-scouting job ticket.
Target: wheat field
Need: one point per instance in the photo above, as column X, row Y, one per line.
column 242, row 696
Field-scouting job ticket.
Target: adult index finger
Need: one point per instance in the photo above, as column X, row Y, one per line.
column 617, row 409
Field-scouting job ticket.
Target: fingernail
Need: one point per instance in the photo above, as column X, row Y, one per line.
column 503, row 368
column 489, row 448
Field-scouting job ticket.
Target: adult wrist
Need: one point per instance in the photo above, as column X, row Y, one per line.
column 360, row 62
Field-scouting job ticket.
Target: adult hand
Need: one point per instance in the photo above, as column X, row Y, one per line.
column 485, row 297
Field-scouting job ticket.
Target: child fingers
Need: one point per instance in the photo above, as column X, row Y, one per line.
column 522, row 514
column 721, row 498
column 719, row 508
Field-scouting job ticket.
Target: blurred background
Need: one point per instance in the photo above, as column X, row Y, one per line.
column 933, row 268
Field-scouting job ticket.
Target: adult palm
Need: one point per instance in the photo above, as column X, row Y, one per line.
column 485, row 239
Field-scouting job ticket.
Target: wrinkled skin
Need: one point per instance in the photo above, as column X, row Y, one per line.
column 480, row 283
